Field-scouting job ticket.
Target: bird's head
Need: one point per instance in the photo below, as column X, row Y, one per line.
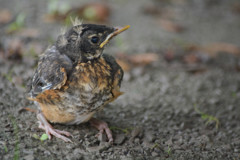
column 86, row 41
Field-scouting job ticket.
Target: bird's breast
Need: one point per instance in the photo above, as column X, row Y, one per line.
column 91, row 76
column 89, row 87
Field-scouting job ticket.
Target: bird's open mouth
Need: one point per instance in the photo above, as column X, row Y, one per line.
column 117, row 31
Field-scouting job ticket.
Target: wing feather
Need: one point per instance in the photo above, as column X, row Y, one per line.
column 51, row 73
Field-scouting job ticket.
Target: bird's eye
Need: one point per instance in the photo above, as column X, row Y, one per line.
column 94, row 39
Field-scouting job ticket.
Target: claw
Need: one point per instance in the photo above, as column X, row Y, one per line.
column 102, row 126
column 43, row 124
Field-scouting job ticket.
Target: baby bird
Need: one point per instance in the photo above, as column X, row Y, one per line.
column 74, row 79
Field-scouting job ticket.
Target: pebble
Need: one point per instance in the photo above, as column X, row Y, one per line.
column 102, row 147
column 169, row 142
column 226, row 147
column 69, row 146
column 135, row 132
column 29, row 157
column 147, row 144
column 149, row 135
column 154, row 154
column 77, row 151
column 203, row 139
column 236, row 150
column 176, row 147
column 136, row 140
column 120, row 138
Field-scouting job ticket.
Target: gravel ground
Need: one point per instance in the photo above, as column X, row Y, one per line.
column 165, row 110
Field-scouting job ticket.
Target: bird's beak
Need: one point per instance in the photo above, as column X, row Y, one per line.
column 113, row 34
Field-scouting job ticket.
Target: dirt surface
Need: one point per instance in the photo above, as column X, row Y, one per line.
column 184, row 105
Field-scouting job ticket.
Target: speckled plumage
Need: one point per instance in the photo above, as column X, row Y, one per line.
column 74, row 79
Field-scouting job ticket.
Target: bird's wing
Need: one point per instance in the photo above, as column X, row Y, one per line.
column 117, row 75
column 51, row 73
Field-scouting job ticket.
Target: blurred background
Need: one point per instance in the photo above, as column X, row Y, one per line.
column 159, row 26
column 181, row 82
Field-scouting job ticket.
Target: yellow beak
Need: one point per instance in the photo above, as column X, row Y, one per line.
column 116, row 32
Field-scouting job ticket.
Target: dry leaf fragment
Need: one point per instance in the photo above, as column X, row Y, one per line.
column 170, row 26
column 127, row 62
column 169, row 55
column 196, row 70
column 97, row 12
column 14, row 50
column 191, row 58
column 29, row 33
column 143, row 59
column 5, row 16
column 236, row 7
column 214, row 48
column 152, row 10
column 139, row 59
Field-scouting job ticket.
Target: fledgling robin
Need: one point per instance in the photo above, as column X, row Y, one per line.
column 74, row 79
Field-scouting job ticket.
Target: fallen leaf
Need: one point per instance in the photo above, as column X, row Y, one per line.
column 29, row 33
column 151, row 10
column 215, row 48
column 236, row 7
column 143, row 59
column 129, row 61
column 56, row 11
column 191, row 58
column 94, row 12
column 5, row 16
column 44, row 137
column 169, row 55
column 97, row 12
column 14, row 50
column 170, row 26
column 191, row 47
column 237, row 66
column 50, row 18
column 196, row 70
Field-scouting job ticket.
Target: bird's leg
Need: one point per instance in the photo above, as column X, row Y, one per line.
column 43, row 124
column 102, row 126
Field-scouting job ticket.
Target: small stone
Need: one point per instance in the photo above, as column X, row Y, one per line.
column 47, row 152
column 169, row 142
column 135, row 132
column 69, row 146
column 149, row 135
column 208, row 146
column 176, row 147
column 102, row 147
column 78, row 151
column 236, row 150
column 226, row 147
column 203, row 139
column 120, row 138
column 219, row 150
column 154, row 154
column 137, row 140
column 29, row 157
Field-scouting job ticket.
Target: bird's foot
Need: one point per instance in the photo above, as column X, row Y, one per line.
column 43, row 124
column 102, row 126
